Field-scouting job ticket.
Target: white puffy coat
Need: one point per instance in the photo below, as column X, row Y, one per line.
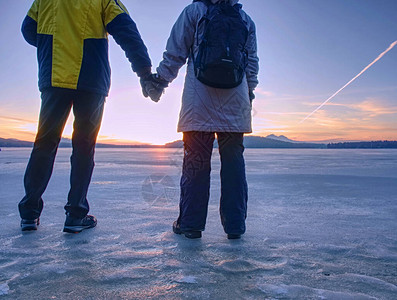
column 205, row 108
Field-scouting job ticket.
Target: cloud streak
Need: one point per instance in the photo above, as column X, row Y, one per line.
column 353, row 79
column 16, row 119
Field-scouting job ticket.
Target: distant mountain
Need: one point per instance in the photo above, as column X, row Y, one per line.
column 18, row 143
column 271, row 141
column 175, row 144
column 14, row 143
column 281, row 138
column 364, row 145
column 65, row 143
column 280, row 142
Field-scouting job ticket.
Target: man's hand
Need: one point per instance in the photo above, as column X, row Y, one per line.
column 153, row 86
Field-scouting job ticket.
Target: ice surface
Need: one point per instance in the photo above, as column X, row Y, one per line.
column 4, row 289
column 322, row 224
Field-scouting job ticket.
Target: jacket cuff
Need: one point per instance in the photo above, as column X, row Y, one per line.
column 252, row 85
column 144, row 72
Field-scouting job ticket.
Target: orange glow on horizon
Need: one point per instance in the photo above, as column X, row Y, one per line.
column 307, row 135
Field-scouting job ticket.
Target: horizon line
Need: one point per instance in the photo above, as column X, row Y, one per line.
column 126, row 143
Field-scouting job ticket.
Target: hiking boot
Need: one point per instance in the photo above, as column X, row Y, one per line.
column 190, row 234
column 234, row 236
column 73, row 225
column 27, row 225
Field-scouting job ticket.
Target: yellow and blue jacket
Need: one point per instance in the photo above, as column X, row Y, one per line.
column 72, row 42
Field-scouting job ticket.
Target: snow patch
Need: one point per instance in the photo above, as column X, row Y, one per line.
column 186, row 279
column 4, row 289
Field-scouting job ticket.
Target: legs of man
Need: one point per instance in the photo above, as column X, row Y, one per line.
column 195, row 180
column 55, row 108
column 234, row 190
column 88, row 111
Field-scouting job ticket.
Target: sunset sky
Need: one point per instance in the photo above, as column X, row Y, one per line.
column 308, row 50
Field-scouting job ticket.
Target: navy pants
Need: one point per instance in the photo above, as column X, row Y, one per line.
column 195, row 181
column 55, row 108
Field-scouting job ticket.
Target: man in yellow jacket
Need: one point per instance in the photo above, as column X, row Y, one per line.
column 74, row 71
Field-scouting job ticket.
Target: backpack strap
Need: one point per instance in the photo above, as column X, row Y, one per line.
column 208, row 3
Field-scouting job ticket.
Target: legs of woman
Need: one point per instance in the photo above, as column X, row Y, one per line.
column 195, row 180
column 234, row 189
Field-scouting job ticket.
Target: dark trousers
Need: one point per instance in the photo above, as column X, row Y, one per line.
column 55, row 108
column 195, row 181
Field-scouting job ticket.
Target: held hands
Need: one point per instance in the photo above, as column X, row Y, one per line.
column 153, row 86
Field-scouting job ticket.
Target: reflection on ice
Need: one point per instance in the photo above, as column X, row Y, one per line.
column 104, row 182
column 321, row 225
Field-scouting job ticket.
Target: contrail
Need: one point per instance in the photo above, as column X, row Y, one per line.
column 354, row 78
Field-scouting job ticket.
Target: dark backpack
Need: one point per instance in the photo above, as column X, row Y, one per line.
column 222, row 56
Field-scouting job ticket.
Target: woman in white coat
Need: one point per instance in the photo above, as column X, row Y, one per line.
column 207, row 111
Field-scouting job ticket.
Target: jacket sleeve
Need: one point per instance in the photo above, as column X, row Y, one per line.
column 125, row 32
column 252, row 69
column 179, row 44
column 29, row 25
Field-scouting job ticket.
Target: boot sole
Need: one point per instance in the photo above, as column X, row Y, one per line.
column 193, row 234
column 188, row 234
column 29, row 227
column 234, row 236
column 76, row 229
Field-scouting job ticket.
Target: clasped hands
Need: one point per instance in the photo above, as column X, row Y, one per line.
column 153, row 86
